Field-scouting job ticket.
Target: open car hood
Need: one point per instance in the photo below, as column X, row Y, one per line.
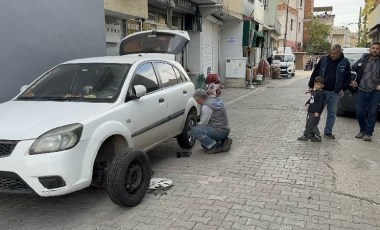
column 155, row 41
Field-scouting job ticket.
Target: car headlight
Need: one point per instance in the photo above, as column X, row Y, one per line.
column 57, row 139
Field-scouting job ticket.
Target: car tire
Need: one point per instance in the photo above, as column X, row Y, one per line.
column 128, row 178
column 339, row 110
column 185, row 140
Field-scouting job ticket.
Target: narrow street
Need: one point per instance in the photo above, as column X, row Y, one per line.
column 269, row 179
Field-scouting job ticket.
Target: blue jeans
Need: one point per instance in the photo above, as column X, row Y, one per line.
column 207, row 136
column 331, row 104
column 366, row 110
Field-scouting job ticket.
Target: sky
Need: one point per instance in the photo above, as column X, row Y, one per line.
column 346, row 11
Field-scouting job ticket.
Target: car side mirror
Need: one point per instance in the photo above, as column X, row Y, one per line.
column 140, row 90
column 23, row 88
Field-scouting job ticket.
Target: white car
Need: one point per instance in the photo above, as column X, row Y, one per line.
column 90, row 121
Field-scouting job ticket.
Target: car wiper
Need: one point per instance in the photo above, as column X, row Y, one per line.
column 51, row 98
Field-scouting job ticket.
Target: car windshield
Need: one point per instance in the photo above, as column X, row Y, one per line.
column 283, row 58
column 92, row 82
column 353, row 57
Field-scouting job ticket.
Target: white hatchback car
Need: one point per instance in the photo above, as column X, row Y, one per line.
column 90, row 121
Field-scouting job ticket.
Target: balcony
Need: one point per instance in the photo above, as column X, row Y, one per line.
column 374, row 18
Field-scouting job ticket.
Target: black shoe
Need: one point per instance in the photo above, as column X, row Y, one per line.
column 217, row 148
column 329, row 136
column 316, row 139
column 303, row 138
column 227, row 144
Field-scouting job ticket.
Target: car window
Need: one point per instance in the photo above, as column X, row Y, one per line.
column 283, row 58
column 146, row 76
column 82, row 81
column 353, row 57
column 167, row 75
column 180, row 76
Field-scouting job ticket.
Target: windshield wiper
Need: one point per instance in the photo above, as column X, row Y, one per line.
column 51, row 98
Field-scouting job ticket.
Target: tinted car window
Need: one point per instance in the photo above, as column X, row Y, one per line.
column 85, row 81
column 146, row 76
column 168, row 77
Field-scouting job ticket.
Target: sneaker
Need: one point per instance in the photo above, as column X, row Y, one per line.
column 329, row 136
column 359, row 135
column 316, row 139
column 367, row 138
column 217, row 148
column 303, row 138
column 227, row 144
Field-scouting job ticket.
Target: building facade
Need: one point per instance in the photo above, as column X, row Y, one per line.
column 308, row 16
column 374, row 23
column 291, row 16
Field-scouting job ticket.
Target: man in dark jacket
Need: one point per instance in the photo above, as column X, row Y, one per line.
column 368, row 97
column 335, row 70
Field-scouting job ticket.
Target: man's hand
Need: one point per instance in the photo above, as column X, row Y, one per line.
column 354, row 84
column 341, row 93
column 316, row 114
column 378, row 87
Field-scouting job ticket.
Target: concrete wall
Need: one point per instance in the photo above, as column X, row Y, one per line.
column 36, row 35
column 235, row 8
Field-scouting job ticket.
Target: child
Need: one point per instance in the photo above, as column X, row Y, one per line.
column 314, row 106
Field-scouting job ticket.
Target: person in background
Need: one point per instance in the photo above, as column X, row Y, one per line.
column 270, row 59
column 314, row 106
column 336, row 72
column 213, row 128
column 368, row 97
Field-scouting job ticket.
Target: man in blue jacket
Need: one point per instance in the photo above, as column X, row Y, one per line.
column 336, row 71
column 368, row 84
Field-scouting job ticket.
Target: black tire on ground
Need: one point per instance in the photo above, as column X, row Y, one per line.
column 339, row 111
column 128, row 178
column 185, row 140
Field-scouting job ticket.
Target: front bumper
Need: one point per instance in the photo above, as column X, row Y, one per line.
column 24, row 173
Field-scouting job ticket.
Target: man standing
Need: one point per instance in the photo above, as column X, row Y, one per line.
column 212, row 130
column 335, row 69
column 368, row 97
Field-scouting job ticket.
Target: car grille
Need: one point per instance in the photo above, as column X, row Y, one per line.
column 12, row 183
column 6, row 147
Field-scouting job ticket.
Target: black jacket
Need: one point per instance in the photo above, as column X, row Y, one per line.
column 342, row 72
column 359, row 66
column 319, row 97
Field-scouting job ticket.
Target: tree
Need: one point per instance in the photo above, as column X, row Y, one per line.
column 368, row 8
column 319, row 33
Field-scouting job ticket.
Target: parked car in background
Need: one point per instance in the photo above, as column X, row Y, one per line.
column 90, row 121
column 347, row 104
column 287, row 64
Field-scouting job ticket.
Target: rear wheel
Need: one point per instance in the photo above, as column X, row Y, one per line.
column 128, row 178
column 185, row 140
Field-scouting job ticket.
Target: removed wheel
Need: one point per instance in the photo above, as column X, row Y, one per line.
column 128, row 178
column 185, row 140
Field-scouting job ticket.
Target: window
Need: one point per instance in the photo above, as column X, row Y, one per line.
column 180, row 76
column 291, row 24
column 146, row 76
column 299, row 27
column 301, row 3
column 166, row 71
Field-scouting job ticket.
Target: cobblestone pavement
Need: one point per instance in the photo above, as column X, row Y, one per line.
column 268, row 180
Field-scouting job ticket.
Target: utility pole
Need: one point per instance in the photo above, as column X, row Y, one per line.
column 286, row 23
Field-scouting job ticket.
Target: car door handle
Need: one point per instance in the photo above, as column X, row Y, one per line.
column 161, row 100
column 184, row 92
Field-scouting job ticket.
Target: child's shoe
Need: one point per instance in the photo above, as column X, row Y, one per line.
column 303, row 138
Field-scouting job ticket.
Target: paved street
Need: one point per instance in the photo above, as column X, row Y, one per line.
column 268, row 180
